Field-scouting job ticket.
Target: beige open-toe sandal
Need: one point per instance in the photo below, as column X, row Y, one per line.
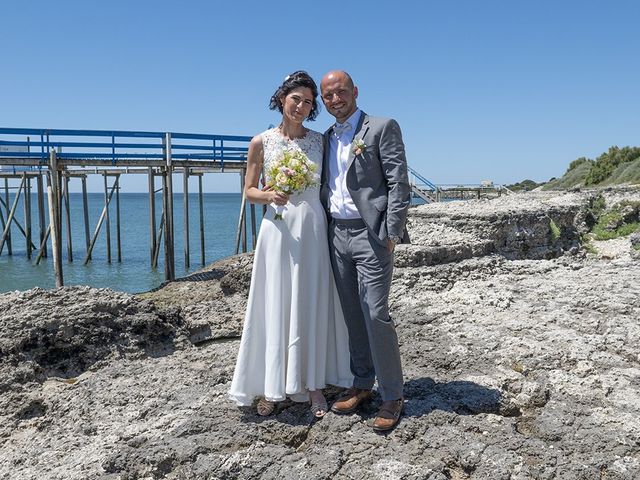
column 319, row 408
column 265, row 407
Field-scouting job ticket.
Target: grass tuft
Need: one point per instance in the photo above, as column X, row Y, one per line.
column 554, row 231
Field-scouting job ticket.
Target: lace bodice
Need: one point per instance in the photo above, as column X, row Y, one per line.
column 311, row 145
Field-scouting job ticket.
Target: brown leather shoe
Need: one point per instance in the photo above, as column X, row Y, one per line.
column 351, row 400
column 388, row 415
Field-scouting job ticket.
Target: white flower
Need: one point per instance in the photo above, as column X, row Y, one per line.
column 358, row 146
column 281, row 178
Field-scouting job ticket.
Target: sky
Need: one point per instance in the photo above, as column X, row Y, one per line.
column 483, row 90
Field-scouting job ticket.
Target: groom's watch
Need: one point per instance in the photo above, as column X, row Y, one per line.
column 395, row 239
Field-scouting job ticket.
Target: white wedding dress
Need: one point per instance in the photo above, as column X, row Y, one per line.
column 294, row 337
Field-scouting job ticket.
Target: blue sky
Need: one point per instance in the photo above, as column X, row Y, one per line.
column 500, row 90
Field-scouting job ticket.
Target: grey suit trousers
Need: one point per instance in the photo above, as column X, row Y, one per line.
column 363, row 269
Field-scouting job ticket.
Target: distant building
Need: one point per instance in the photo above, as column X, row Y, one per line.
column 486, row 183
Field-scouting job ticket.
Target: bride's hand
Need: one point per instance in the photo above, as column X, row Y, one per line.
column 279, row 198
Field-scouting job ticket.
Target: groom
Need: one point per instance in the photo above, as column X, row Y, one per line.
column 365, row 191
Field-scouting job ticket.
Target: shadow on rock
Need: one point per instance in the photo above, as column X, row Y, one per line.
column 423, row 395
column 64, row 332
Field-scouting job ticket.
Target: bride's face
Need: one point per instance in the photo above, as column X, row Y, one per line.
column 297, row 104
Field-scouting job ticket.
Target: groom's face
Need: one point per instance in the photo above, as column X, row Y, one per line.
column 339, row 95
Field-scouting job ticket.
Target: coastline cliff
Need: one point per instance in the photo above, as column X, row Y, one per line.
column 518, row 331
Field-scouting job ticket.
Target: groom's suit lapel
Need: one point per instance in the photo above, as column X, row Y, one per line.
column 324, row 181
column 361, row 131
column 325, row 162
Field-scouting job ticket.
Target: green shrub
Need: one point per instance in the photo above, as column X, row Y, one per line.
column 574, row 177
column 597, row 205
column 554, row 231
column 526, row 185
column 606, row 163
column 577, row 162
column 602, row 233
column 616, row 166
column 628, row 172
column 628, row 228
column 613, row 223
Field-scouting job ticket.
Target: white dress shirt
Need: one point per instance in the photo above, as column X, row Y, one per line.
column 340, row 202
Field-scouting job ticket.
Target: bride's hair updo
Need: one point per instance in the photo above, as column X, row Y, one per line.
column 291, row 82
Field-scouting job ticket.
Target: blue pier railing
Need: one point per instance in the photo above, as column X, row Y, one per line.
column 422, row 182
column 119, row 146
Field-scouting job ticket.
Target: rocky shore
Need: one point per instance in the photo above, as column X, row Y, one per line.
column 519, row 343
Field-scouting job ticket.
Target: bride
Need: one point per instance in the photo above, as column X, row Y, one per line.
column 294, row 341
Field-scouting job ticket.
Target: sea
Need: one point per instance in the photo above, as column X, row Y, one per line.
column 134, row 272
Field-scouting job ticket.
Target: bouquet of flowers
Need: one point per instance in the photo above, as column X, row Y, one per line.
column 292, row 172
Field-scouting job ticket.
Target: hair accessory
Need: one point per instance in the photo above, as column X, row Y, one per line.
column 287, row 78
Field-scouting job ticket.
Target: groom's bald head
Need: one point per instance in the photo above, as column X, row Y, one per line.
column 339, row 74
column 339, row 94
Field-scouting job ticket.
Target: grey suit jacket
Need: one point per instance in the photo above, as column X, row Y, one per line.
column 377, row 179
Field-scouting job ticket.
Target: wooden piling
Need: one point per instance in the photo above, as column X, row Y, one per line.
column 168, row 272
column 54, row 218
column 152, row 216
column 27, row 214
column 2, row 222
column 118, row 243
column 241, row 218
column 168, row 221
column 43, row 227
column 43, row 245
column 58, row 193
column 7, row 201
column 156, row 253
column 201, row 202
column 85, row 213
column 108, row 224
column 67, row 208
column 185, row 208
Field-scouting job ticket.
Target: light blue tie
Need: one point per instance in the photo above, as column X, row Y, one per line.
column 341, row 129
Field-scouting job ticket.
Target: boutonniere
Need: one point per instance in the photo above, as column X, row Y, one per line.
column 358, row 147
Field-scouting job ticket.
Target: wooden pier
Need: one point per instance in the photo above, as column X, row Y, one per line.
column 56, row 157
column 430, row 192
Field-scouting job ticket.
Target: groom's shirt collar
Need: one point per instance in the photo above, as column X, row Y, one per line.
column 352, row 121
